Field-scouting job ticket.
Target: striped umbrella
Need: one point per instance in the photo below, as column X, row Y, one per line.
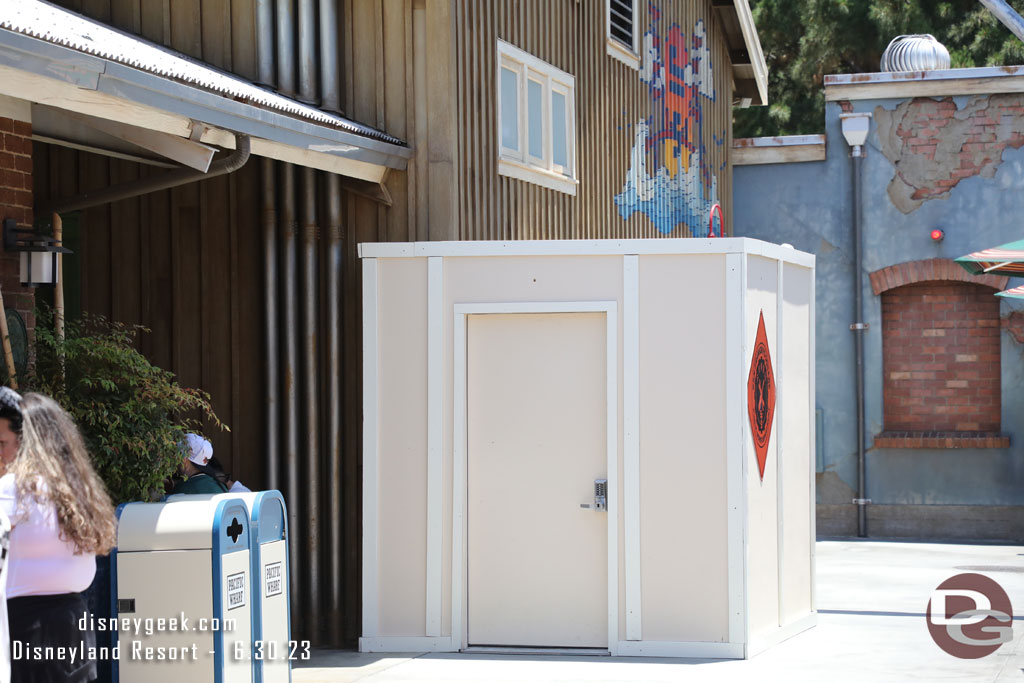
column 1005, row 260
column 1015, row 293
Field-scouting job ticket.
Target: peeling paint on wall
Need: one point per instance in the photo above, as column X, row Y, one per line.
column 934, row 145
column 668, row 179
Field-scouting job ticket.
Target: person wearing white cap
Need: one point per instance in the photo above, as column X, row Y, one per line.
column 197, row 452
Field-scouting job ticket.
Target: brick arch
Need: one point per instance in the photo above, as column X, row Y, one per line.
column 930, row 270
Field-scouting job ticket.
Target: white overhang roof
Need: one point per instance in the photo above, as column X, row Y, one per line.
column 51, row 56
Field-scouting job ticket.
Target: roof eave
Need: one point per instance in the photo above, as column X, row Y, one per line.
column 68, row 66
column 749, row 69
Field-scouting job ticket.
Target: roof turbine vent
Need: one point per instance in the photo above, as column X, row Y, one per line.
column 915, row 53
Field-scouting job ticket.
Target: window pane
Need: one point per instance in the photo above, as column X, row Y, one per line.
column 509, row 108
column 534, row 91
column 558, row 126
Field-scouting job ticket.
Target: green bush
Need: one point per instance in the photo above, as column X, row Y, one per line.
column 132, row 413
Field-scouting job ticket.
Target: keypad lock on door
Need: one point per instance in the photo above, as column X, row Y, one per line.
column 600, row 496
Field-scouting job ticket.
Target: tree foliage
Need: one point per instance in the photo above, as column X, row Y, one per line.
column 131, row 413
column 805, row 40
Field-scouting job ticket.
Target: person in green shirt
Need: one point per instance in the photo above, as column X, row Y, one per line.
column 199, row 478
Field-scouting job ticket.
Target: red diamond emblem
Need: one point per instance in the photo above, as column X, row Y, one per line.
column 761, row 395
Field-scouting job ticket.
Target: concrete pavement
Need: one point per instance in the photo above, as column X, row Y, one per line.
column 871, row 595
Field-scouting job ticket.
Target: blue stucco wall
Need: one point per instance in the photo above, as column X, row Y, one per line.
column 809, row 205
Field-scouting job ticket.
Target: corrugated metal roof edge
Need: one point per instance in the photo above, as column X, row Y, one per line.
column 295, row 108
column 96, row 73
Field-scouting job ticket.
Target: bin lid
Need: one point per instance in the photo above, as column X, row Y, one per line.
column 267, row 511
column 184, row 524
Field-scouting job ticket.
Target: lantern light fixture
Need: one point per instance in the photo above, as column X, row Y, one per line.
column 38, row 254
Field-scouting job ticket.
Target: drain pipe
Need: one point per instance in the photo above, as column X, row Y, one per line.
column 135, row 188
column 855, row 130
column 330, row 83
column 332, row 451
column 265, row 42
column 286, row 47
column 290, row 426
column 308, row 332
column 272, row 414
column 308, row 40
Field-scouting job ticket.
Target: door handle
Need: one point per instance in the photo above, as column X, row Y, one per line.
column 600, row 496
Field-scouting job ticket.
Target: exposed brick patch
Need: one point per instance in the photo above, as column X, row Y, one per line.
column 929, row 270
column 940, row 384
column 1014, row 324
column 941, row 440
column 16, row 202
column 933, row 145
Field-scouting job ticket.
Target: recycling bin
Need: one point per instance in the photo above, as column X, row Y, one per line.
column 272, row 649
column 182, row 578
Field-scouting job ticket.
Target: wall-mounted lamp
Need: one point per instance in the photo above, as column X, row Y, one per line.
column 937, row 234
column 38, row 253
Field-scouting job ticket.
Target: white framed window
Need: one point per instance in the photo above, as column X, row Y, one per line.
column 536, row 120
column 622, row 42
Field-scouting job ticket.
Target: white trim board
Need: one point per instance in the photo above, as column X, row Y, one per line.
column 780, row 466
column 371, row 425
column 460, row 454
column 435, row 443
column 631, row 444
column 697, row 649
column 405, row 644
column 688, row 245
column 736, row 490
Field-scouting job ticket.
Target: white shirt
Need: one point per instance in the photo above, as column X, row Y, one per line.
column 5, row 635
column 239, row 487
column 40, row 563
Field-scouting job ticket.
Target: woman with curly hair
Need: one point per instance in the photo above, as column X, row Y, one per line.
column 61, row 518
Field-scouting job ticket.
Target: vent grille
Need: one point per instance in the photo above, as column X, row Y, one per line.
column 620, row 21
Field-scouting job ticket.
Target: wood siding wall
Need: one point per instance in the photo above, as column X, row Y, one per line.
column 186, row 263
column 610, row 99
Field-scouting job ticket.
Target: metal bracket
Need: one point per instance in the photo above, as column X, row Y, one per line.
column 861, row 501
column 859, row 326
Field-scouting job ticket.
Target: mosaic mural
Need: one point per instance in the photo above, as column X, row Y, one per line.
column 668, row 179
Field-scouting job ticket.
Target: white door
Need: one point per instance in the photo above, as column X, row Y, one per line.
column 537, row 430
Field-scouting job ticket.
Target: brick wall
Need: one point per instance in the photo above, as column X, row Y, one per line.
column 16, row 203
column 941, row 358
column 934, row 144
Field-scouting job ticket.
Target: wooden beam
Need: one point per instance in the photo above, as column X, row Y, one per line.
column 186, row 152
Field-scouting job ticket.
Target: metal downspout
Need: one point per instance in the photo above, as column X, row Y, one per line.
column 308, row 332
column 286, row 47
column 330, row 83
column 334, row 409
column 859, row 328
column 265, row 42
column 135, row 188
column 308, row 40
column 272, row 416
column 289, row 306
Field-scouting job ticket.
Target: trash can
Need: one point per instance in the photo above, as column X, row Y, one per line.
column 272, row 649
column 271, row 609
column 182, row 577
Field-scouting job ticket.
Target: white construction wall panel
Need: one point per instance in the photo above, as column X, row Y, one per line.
column 797, row 407
column 682, row 460
column 762, row 522
column 403, row 446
